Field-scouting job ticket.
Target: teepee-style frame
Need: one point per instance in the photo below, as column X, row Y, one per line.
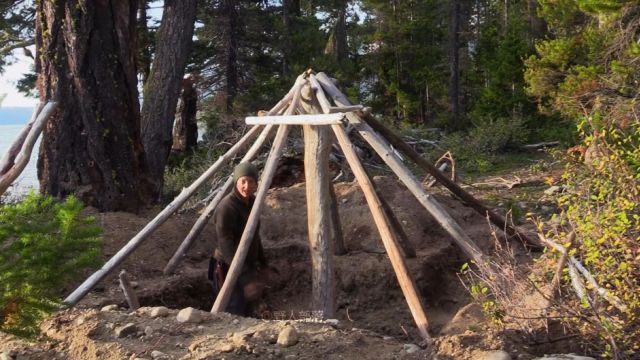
column 307, row 104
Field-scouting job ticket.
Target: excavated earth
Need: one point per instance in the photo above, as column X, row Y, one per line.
column 372, row 321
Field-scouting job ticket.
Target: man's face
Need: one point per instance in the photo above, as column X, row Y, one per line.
column 246, row 186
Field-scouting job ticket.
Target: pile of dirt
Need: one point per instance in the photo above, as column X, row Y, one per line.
column 372, row 320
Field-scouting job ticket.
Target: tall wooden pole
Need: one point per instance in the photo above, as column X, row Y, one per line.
column 317, row 143
column 336, row 224
column 402, row 237
column 222, row 300
column 388, row 239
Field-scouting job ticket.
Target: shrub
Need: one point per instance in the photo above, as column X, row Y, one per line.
column 44, row 245
column 477, row 150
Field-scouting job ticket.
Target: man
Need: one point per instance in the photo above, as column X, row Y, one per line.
column 230, row 219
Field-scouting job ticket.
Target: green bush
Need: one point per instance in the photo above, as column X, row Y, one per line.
column 44, row 246
column 602, row 205
column 477, row 150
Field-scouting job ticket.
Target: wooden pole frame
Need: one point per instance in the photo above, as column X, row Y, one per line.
column 388, row 239
column 402, row 237
column 199, row 225
column 389, row 157
column 208, row 211
column 399, row 144
column 141, row 236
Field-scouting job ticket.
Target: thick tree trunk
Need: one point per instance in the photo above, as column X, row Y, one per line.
column 230, row 13
column 337, row 44
column 454, row 81
column 163, row 87
column 86, row 61
column 185, row 131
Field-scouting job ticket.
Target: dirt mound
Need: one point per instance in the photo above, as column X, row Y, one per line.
column 373, row 317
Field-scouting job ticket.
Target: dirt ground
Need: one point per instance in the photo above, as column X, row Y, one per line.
column 372, row 321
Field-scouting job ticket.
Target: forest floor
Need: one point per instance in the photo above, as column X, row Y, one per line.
column 373, row 320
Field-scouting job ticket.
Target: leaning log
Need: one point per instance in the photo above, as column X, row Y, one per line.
column 402, row 237
column 208, row 211
column 388, row 239
column 429, row 202
column 222, row 300
column 575, row 265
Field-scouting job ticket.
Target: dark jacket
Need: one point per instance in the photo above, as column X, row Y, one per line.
column 230, row 218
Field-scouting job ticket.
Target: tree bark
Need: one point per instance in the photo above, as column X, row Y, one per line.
column 230, row 14
column 185, row 130
column 86, row 61
column 144, row 51
column 163, row 87
column 317, row 146
column 454, row 80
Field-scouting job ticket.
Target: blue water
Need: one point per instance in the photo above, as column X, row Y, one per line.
column 29, row 177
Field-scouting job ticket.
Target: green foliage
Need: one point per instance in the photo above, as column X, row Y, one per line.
column 45, row 246
column 183, row 170
column 478, row 149
column 602, row 205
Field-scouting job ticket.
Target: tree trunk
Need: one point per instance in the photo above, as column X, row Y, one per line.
column 144, row 51
column 454, row 82
column 163, row 87
column 286, row 37
column 230, row 13
column 185, row 130
column 86, row 61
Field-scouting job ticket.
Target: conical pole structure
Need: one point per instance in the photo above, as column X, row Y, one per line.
column 235, row 268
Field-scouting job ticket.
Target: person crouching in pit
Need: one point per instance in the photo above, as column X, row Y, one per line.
column 230, row 219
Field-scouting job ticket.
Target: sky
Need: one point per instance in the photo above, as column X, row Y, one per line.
column 11, row 75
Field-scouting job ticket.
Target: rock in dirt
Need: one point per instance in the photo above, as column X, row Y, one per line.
column 148, row 331
column 112, row 307
column 564, row 357
column 5, row 356
column 496, row 355
column 158, row 311
column 410, row 348
column 288, row 336
column 158, row 355
column 190, row 315
column 126, row 330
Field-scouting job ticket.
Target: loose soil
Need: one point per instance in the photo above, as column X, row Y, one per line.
column 373, row 319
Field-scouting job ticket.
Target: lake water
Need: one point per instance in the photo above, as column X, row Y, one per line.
column 29, row 177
